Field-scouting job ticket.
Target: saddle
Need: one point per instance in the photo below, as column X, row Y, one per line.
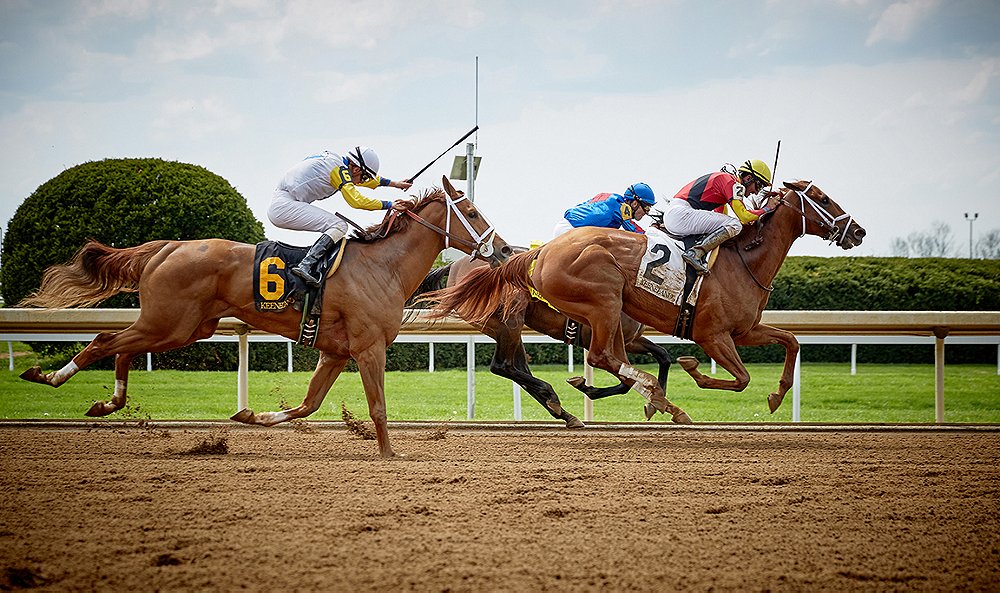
column 276, row 288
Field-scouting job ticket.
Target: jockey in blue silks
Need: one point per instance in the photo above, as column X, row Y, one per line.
column 611, row 211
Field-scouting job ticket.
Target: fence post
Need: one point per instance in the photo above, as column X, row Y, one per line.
column 430, row 357
column 588, row 376
column 797, row 389
column 289, row 357
column 242, row 379
column 939, row 335
column 470, row 369
column 854, row 359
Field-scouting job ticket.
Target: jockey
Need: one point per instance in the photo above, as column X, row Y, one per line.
column 612, row 211
column 316, row 178
column 700, row 208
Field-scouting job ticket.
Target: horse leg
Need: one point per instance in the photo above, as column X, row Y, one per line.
column 371, row 363
column 762, row 335
column 328, row 368
column 511, row 362
column 607, row 351
column 640, row 345
column 118, row 399
column 145, row 335
column 723, row 350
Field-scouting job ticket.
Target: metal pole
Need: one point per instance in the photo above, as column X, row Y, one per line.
column 971, row 220
column 430, row 357
column 289, row 350
column 588, row 377
column 470, row 169
column 854, row 359
column 517, row 401
column 10, row 359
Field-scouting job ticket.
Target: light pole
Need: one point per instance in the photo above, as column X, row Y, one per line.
column 971, row 220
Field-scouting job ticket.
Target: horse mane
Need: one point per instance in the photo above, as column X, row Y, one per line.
column 391, row 225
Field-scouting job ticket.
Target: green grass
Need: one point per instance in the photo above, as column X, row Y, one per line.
column 876, row 394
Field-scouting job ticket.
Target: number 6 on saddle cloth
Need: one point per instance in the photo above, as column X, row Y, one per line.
column 276, row 288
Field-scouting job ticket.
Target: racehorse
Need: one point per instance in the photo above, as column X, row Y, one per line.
column 186, row 287
column 510, row 359
column 590, row 275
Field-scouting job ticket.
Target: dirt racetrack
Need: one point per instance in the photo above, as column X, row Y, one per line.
column 312, row 507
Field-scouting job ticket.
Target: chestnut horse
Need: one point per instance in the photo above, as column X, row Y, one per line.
column 511, row 361
column 186, row 287
column 590, row 275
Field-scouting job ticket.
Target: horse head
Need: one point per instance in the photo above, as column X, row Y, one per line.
column 820, row 215
column 471, row 232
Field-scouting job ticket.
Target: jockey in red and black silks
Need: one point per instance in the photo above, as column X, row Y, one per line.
column 699, row 208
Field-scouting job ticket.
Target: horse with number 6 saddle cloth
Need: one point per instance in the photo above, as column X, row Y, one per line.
column 276, row 288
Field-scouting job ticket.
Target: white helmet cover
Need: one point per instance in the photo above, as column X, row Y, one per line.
column 364, row 157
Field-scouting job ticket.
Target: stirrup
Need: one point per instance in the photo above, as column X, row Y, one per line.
column 700, row 267
column 306, row 276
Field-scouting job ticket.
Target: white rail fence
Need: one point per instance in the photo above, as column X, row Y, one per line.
column 810, row 327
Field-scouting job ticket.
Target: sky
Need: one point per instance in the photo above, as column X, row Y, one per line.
column 892, row 108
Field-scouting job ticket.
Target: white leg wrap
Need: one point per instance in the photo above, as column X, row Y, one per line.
column 63, row 374
column 119, row 389
column 640, row 386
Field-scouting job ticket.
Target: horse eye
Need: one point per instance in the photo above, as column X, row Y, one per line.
column 473, row 214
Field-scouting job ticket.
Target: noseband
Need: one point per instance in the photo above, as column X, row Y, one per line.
column 826, row 220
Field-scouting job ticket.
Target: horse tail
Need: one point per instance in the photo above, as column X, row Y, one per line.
column 95, row 273
column 483, row 290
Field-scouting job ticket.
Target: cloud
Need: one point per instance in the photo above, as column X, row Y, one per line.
column 197, row 118
column 901, row 20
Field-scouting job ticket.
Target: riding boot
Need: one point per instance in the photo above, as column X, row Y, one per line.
column 698, row 254
column 317, row 252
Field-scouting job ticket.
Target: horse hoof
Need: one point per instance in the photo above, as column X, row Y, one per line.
column 649, row 410
column 577, row 382
column 688, row 363
column 245, row 416
column 35, row 375
column 682, row 418
column 774, row 400
column 99, row 409
column 574, row 422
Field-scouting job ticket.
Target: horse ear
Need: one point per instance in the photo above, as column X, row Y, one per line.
column 796, row 185
column 450, row 189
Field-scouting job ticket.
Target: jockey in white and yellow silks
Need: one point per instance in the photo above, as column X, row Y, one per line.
column 316, row 178
column 700, row 208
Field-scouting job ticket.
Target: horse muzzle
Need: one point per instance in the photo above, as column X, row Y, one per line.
column 853, row 236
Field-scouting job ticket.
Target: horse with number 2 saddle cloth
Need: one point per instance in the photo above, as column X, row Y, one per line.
column 276, row 288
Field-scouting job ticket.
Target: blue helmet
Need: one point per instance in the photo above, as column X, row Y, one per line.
column 642, row 192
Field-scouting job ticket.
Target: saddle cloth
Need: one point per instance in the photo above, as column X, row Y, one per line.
column 275, row 286
column 664, row 274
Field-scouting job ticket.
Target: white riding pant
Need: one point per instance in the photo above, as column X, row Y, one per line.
column 561, row 227
column 288, row 213
column 681, row 219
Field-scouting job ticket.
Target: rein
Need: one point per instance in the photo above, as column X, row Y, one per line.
column 750, row 246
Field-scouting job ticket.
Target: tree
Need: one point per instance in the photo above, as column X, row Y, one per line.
column 938, row 242
column 122, row 203
column 988, row 245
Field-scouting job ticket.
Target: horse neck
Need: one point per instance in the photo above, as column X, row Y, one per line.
column 411, row 252
column 778, row 234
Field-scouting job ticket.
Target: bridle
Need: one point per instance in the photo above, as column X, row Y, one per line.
column 481, row 244
column 826, row 220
